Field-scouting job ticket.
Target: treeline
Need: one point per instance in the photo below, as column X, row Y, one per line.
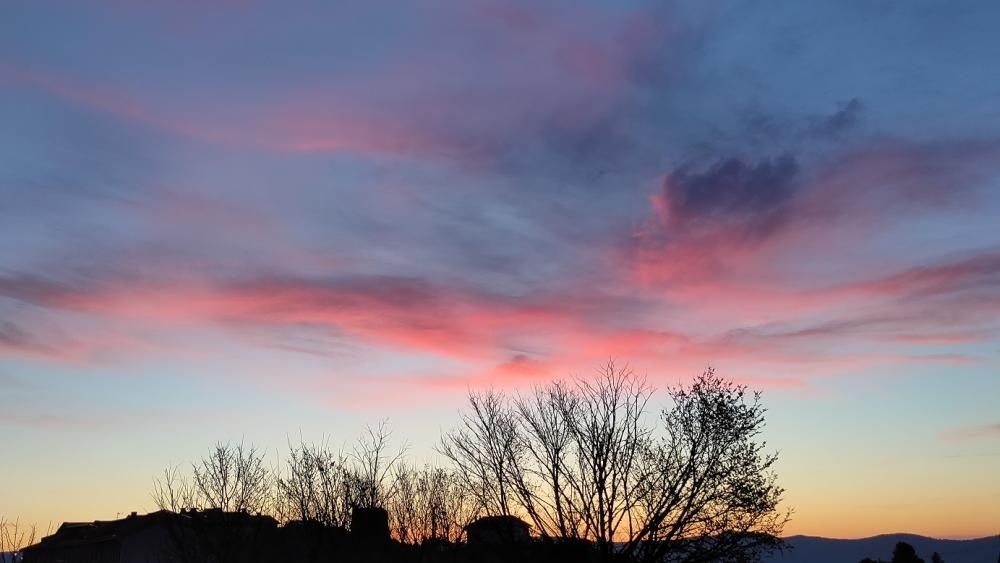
column 322, row 485
column 586, row 460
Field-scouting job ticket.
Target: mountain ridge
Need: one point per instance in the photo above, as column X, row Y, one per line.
column 817, row 549
column 890, row 534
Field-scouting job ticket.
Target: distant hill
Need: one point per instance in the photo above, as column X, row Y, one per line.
column 808, row 549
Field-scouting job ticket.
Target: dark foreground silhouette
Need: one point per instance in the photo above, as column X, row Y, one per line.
column 596, row 476
column 214, row 536
column 585, row 463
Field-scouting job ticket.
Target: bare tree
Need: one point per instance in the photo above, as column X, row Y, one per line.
column 404, row 509
column 232, row 478
column 608, row 438
column 458, row 511
column 427, row 504
column 547, row 437
column 588, row 461
column 319, row 485
column 485, row 450
column 173, row 492
column 15, row 536
column 300, row 487
column 374, row 464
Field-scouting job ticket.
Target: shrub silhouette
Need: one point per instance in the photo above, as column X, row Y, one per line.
column 904, row 553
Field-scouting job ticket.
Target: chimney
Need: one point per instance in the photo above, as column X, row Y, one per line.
column 370, row 524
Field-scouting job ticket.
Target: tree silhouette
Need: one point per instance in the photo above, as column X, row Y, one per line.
column 318, row 485
column 936, row 558
column 580, row 461
column 904, row 553
column 173, row 492
column 484, row 449
column 232, row 478
column 427, row 504
column 374, row 465
column 585, row 462
column 15, row 536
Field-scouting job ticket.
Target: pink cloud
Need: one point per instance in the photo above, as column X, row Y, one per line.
column 738, row 222
column 714, row 287
column 575, row 70
column 559, row 334
column 981, row 270
column 944, row 339
column 319, row 127
column 736, row 261
column 396, row 312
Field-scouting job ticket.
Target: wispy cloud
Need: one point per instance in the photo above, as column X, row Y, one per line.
column 977, row 432
column 71, row 422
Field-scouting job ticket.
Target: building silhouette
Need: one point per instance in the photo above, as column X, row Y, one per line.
column 215, row 536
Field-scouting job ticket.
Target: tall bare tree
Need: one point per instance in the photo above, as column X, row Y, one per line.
column 608, row 438
column 547, row 437
column 374, row 463
column 485, row 448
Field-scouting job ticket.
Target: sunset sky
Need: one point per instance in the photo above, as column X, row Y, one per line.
column 243, row 219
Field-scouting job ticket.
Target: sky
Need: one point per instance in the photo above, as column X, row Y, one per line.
column 240, row 219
